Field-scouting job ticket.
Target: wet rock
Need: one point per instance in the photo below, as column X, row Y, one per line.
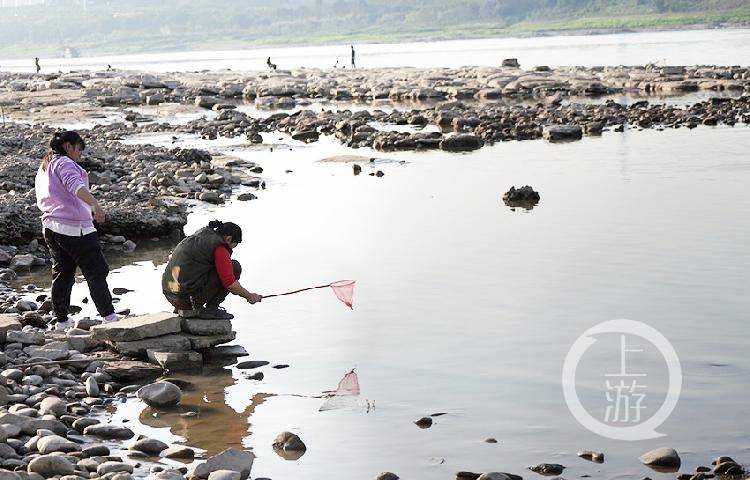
column 491, row 440
column 424, row 422
column 109, row 431
column 662, row 458
column 387, row 476
column 201, row 342
column 179, row 452
column 95, row 451
column 149, row 446
column 244, row 197
column 51, row 465
column 138, row 328
column 309, row 136
column 596, row 457
column 548, row 468
column 726, row 466
column 160, row 394
column 524, row 197
column 461, row 143
column 560, row 133
column 129, row 371
column 251, row 364
column 493, row 476
column 230, row 459
column 511, row 62
column 289, row 442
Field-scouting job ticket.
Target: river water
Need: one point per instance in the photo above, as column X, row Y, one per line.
column 466, row 307
column 688, row 47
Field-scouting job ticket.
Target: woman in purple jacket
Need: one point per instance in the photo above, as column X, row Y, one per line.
column 63, row 196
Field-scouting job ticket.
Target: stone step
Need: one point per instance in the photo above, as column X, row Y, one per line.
column 176, row 361
column 201, row 342
column 199, row 326
column 138, row 328
column 175, row 342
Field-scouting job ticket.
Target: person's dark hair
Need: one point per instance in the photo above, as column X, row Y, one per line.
column 227, row 229
column 56, row 145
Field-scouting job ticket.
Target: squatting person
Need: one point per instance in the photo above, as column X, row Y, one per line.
column 201, row 273
column 67, row 205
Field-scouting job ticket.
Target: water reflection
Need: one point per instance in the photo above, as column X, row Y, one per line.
column 203, row 418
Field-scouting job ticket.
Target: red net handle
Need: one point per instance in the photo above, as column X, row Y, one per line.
column 297, row 291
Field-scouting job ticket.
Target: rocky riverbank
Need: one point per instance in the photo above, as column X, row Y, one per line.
column 145, row 190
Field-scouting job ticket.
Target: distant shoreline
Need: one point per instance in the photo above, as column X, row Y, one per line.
column 579, row 27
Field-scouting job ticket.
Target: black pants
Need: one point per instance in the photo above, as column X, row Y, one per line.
column 69, row 253
column 211, row 295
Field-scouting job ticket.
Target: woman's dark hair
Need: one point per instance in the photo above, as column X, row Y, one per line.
column 227, row 229
column 56, row 145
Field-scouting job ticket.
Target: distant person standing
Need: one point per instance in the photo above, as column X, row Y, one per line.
column 354, row 55
column 38, row 67
column 272, row 66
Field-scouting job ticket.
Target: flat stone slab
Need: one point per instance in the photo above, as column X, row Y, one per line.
column 199, row 326
column 561, row 133
column 128, row 371
column 199, row 342
column 138, row 328
column 165, row 343
column 226, row 351
column 176, row 361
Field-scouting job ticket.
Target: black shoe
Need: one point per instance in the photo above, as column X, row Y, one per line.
column 214, row 313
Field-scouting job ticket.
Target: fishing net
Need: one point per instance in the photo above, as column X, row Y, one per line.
column 344, row 290
column 345, row 395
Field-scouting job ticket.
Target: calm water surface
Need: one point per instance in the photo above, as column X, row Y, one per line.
column 468, row 308
column 689, row 47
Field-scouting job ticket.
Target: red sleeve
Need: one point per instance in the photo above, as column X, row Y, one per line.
column 224, row 267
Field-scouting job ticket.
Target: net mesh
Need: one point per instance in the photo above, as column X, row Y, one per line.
column 344, row 290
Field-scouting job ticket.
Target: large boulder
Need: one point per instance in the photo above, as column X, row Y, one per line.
column 230, row 459
column 160, row 394
column 138, row 328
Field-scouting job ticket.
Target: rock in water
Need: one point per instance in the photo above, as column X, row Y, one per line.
column 524, row 197
column 92, row 388
column 493, row 476
column 596, row 457
column 149, row 446
column 548, row 468
column 387, row 476
column 50, row 466
column 561, row 133
column 160, row 394
column 230, row 459
column 424, row 422
column 461, row 143
column 661, row 458
column 289, row 442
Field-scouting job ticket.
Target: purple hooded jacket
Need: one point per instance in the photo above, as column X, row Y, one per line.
column 56, row 192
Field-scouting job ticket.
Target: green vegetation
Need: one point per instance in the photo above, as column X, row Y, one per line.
column 118, row 27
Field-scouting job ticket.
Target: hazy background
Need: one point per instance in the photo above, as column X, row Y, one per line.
column 89, row 27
